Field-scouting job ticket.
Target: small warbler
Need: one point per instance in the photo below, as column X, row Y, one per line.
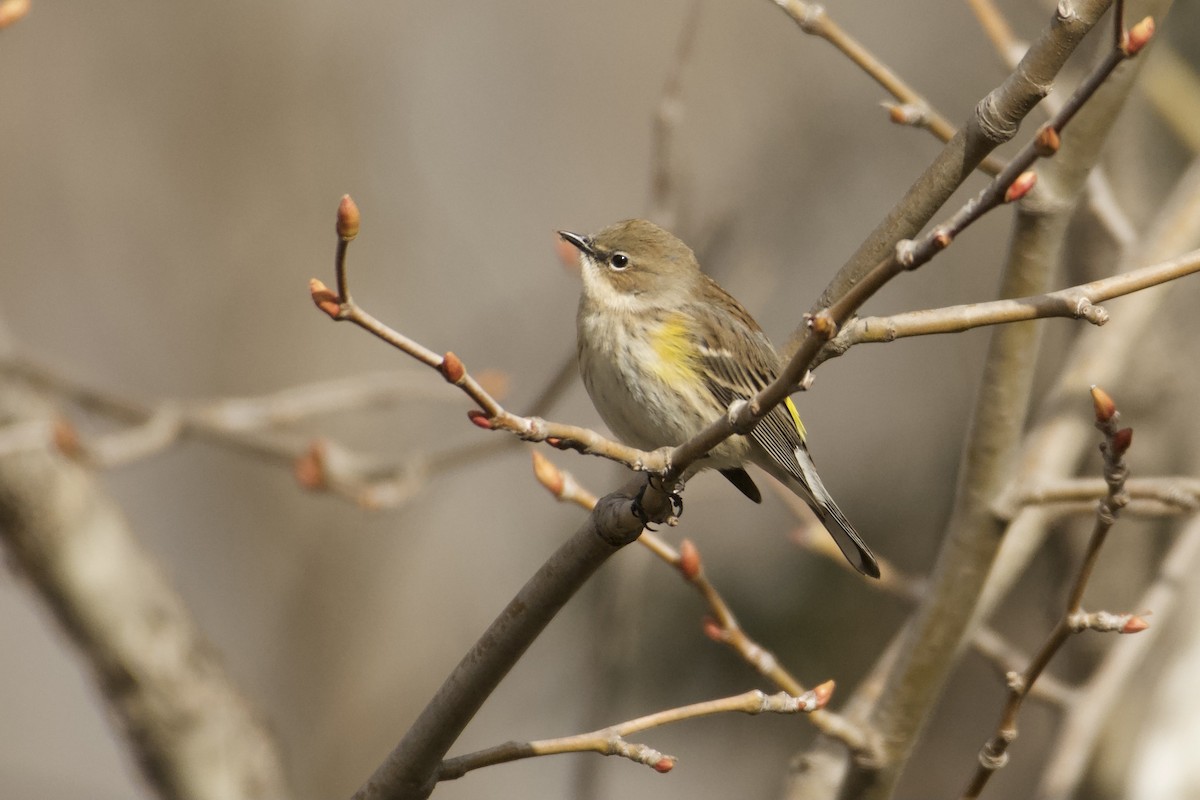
column 664, row 351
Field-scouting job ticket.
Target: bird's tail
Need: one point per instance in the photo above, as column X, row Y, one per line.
column 822, row 504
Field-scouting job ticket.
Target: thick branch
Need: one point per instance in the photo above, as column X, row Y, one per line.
column 410, row 770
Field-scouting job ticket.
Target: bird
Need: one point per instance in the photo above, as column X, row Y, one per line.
column 663, row 352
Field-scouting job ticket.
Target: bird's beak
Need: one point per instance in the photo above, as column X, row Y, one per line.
column 581, row 242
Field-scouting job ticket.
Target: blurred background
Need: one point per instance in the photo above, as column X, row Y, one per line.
column 168, row 183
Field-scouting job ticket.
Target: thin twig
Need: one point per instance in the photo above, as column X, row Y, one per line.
column 1086, row 718
column 995, row 120
column 1011, row 184
column 723, row 627
column 611, row 741
column 911, row 109
column 994, row 754
column 1076, row 302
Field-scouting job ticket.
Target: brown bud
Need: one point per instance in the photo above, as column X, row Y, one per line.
column 309, row 469
column 689, row 559
column 66, row 438
column 1106, row 409
column 452, row 368
column 823, row 692
column 325, row 299
column 942, row 238
column 1121, row 441
column 555, row 442
column 713, row 630
column 664, row 764
column 1047, row 141
column 547, row 473
column 348, row 218
column 1135, row 624
column 1020, row 186
column 480, row 419
column 1139, row 35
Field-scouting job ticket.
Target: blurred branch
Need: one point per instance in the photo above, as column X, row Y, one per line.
column 994, row 754
column 251, row 425
column 666, row 196
column 1076, row 302
column 192, row 733
column 998, row 32
column 611, row 741
column 1182, row 494
column 1173, row 87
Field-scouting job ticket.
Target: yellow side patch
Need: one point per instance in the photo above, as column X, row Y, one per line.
column 791, row 407
column 676, row 361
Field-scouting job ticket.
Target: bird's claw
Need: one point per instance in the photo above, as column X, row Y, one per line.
column 675, row 499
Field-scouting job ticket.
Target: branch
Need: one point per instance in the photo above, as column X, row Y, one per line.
column 1087, row 717
column 665, row 194
column 250, row 425
column 410, row 770
column 723, row 627
column 611, row 741
column 911, row 108
column 995, row 121
column 490, row 415
column 1011, row 184
column 1076, row 302
column 994, row 754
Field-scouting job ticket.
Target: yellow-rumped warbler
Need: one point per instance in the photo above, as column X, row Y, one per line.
column 664, row 350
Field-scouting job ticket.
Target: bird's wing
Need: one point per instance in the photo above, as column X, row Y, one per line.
column 739, row 361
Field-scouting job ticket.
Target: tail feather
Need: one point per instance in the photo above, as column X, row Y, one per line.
column 822, row 504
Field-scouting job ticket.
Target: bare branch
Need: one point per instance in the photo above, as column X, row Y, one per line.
column 994, row 122
column 1076, row 302
column 411, row 769
column 1085, row 719
column 723, row 627
column 1116, row 442
column 611, row 741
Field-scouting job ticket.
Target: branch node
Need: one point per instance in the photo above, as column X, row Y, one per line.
column 822, row 324
column 906, row 252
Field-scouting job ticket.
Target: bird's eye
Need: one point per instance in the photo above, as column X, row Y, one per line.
column 618, row 261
